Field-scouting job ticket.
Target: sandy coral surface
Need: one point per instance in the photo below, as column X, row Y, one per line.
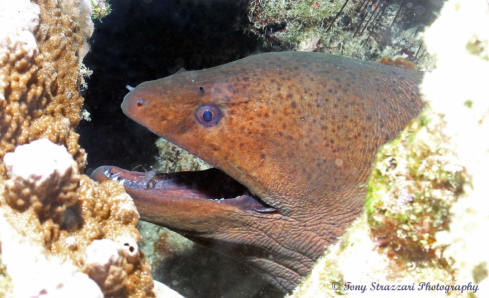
column 426, row 210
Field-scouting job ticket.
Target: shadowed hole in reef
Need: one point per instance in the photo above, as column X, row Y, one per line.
column 147, row 40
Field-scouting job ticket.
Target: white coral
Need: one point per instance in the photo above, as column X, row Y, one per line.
column 38, row 161
column 17, row 16
column 105, row 264
column 29, row 263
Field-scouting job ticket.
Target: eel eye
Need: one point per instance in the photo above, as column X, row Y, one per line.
column 208, row 115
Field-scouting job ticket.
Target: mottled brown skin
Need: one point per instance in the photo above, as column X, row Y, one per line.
column 299, row 130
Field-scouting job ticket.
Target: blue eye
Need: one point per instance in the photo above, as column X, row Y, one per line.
column 208, row 115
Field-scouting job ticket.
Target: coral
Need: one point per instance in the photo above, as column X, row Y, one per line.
column 6, row 288
column 42, row 184
column 463, row 102
column 426, row 212
column 47, row 186
column 40, row 78
column 357, row 29
column 49, row 202
column 105, row 264
column 47, row 274
column 163, row 291
column 53, row 218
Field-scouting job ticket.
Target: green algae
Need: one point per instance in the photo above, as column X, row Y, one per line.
column 100, row 9
column 340, row 28
column 411, row 190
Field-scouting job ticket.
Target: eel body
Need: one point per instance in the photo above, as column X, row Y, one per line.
column 293, row 136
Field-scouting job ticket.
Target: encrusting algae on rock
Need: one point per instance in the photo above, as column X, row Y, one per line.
column 426, row 215
column 416, row 180
column 175, row 159
column 100, row 9
column 367, row 30
column 61, row 233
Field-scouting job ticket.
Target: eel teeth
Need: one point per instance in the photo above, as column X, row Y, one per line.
column 218, row 200
column 115, row 177
column 107, row 172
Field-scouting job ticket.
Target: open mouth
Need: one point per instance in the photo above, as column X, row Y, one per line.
column 209, row 185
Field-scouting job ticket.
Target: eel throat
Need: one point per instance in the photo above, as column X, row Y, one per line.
column 292, row 136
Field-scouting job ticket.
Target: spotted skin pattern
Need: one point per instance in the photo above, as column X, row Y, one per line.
column 299, row 130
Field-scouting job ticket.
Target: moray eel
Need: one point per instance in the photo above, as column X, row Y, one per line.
column 292, row 136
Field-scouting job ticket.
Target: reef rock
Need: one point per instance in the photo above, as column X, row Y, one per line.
column 367, row 30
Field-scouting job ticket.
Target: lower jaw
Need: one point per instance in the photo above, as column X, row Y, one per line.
column 208, row 185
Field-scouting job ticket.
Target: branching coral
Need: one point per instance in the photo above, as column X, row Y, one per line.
column 49, row 202
column 50, row 211
column 40, row 75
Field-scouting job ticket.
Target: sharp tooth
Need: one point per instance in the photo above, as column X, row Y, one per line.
column 115, row 177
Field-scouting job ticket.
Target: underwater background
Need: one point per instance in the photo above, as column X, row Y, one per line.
column 66, row 65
